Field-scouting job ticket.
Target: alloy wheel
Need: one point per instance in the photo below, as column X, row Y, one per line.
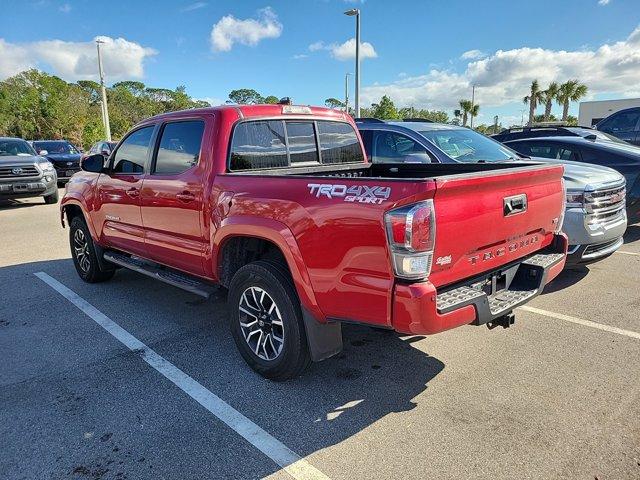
column 81, row 249
column 261, row 323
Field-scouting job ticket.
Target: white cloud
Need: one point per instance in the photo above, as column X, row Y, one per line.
column 505, row 76
column 603, row 2
column 121, row 58
column 65, row 8
column 346, row 50
column 317, row 46
column 472, row 55
column 194, row 6
column 230, row 30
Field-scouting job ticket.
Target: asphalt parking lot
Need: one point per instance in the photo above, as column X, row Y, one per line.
column 555, row 396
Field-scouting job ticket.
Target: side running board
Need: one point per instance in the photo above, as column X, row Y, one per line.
column 162, row 273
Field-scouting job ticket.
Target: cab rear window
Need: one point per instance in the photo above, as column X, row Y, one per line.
column 267, row 144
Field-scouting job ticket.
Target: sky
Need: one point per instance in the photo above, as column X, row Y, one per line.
column 425, row 54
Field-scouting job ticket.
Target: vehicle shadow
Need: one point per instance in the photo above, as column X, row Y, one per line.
column 378, row 373
column 632, row 234
column 14, row 204
column 568, row 277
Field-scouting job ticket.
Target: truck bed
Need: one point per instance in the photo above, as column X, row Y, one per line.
column 406, row 171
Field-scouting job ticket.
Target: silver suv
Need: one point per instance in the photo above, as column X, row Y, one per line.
column 595, row 218
column 25, row 174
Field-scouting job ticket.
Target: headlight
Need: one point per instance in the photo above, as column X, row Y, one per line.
column 575, row 198
column 46, row 166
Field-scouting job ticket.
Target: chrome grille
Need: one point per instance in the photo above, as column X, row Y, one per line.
column 605, row 205
column 8, row 171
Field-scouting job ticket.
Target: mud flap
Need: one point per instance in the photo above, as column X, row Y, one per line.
column 324, row 339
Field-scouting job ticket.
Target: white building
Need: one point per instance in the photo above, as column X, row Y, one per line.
column 591, row 113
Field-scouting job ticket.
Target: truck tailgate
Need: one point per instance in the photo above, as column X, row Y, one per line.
column 486, row 220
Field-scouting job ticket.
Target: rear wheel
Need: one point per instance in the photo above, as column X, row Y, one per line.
column 84, row 254
column 266, row 320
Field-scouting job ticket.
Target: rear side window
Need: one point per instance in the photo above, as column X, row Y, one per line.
column 339, row 143
column 259, row 145
column 179, row 148
column 302, row 142
column 621, row 122
column 132, row 153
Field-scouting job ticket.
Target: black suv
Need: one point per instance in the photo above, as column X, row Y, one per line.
column 64, row 156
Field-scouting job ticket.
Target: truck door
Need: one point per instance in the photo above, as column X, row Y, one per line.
column 172, row 197
column 118, row 215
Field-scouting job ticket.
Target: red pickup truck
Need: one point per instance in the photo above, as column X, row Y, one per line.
column 278, row 204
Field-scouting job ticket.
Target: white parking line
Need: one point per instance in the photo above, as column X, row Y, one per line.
column 628, row 253
column 291, row 462
column 580, row 321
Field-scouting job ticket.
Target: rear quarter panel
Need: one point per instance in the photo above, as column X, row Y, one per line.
column 342, row 244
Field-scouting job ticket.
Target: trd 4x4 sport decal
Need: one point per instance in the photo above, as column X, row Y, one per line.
column 353, row 193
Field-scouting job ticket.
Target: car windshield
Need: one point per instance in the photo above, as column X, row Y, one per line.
column 15, row 147
column 464, row 145
column 55, row 147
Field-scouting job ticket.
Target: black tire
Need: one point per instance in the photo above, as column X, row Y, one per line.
column 86, row 263
column 51, row 199
column 274, row 279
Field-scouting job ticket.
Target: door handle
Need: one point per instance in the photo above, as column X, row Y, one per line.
column 133, row 192
column 185, row 196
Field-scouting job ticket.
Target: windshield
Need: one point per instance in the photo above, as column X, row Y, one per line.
column 15, row 147
column 465, row 145
column 55, row 147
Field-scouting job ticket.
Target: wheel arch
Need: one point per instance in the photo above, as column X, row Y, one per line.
column 264, row 236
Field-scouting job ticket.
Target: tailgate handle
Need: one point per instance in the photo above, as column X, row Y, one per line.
column 514, row 204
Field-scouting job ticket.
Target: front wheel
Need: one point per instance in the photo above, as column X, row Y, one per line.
column 84, row 254
column 51, row 199
column 266, row 320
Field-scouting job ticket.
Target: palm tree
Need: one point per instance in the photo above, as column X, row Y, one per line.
column 548, row 96
column 473, row 112
column 533, row 99
column 465, row 106
column 570, row 91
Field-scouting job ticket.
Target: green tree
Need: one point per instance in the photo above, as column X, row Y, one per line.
column 271, row 99
column 541, row 118
column 437, row 116
column 570, row 91
column 333, row 103
column 533, row 99
column 465, row 108
column 548, row 96
column 474, row 110
column 385, row 110
column 245, row 96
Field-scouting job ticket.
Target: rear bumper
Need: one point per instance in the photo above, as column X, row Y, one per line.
column 420, row 309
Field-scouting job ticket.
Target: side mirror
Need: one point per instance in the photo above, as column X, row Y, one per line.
column 421, row 157
column 43, row 152
column 92, row 163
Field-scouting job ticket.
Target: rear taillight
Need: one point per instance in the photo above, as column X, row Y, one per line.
column 411, row 235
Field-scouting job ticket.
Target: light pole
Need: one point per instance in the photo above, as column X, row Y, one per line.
column 356, row 12
column 346, row 92
column 473, row 102
column 105, row 109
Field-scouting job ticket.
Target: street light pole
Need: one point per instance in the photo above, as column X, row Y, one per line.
column 346, row 92
column 473, row 100
column 356, row 12
column 105, row 109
